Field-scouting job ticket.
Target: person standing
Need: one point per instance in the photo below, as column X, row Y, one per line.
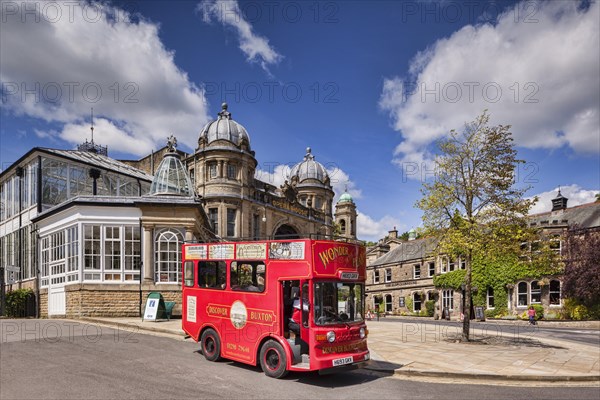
column 531, row 314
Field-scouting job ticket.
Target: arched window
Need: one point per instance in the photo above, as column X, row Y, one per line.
column 536, row 292
column 554, row 293
column 342, row 226
column 167, row 256
column 416, row 302
column 522, row 294
column 388, row 303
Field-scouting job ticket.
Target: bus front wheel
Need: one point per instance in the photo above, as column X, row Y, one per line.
column 211, row 345
column 273, row 360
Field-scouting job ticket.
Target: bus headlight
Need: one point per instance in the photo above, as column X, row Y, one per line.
column 331, row 336
column 362, row 333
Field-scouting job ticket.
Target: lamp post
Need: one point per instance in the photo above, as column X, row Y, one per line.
column 264, row 220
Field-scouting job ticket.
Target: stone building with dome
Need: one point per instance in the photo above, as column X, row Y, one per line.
column 240, row 206
column 92, row 236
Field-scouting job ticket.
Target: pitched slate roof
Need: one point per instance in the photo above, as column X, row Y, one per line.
column 584, row 215
column 410, row 250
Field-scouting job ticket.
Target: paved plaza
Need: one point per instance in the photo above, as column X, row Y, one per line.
column 409, row 348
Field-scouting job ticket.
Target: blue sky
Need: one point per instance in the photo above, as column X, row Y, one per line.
column 369, row 86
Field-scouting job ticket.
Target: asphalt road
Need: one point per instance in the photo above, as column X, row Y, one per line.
column 52, row 359
column 582, row 335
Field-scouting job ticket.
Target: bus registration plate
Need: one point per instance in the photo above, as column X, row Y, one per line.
column 343, row 361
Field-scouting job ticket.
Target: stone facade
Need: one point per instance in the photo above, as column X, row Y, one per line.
column 90, row 300
column 393, row 282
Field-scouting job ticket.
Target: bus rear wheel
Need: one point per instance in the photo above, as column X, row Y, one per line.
column 211, row 345
column 273, row 360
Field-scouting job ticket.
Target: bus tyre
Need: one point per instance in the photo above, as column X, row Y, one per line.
column 273, row 360
column 211, row 345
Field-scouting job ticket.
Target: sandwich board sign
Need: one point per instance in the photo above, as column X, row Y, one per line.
column 152, row 303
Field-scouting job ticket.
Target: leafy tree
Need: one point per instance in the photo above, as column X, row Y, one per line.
column 582, row 265
column 472, row 205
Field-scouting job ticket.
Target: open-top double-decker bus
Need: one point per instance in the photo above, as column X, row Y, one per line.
column 289, row 305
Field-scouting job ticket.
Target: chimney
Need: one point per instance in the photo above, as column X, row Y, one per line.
column 393, row 234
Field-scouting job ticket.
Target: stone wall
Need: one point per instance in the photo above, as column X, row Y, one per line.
column 43, row 303
column 85, row 300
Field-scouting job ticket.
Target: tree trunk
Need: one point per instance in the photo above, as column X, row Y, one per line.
column 468, row 299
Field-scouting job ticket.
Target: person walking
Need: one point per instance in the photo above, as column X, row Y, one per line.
column 531, row 314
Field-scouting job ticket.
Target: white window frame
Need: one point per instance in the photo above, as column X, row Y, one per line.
column 172, row 266
column 538, row 291
column 519, row 293
column 417, row 268
column 431, row 264
column 444, row 265
column 388, row 275
column 376, row 276
column 418, row 295
column 489, row 296
column 448, row 299
column 388, row 300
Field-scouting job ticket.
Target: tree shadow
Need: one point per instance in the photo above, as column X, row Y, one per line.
column 507, row 341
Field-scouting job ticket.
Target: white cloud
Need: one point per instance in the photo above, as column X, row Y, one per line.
column 373, row 230
column 547, row 73
column 339, row 180
column 276, row 176
column 255, row 47
column 101, row 58
column 576, row 195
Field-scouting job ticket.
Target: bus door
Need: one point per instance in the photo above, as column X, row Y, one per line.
column 295, row 316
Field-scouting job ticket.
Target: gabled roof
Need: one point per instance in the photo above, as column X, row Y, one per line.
column 410, row 250
column 584, row 215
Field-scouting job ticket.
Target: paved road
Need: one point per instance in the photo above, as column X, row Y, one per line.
column 583, row 335
column 45, row 359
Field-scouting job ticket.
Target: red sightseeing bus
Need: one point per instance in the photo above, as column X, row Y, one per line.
column 289, row 305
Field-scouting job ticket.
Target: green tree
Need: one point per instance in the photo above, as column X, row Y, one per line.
column 472, row 205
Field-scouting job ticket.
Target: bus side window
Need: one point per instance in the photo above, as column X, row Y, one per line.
column 188, row 268
column 211, row 274
column 247, row 276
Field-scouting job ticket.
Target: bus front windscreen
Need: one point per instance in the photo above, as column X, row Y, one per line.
column 338, row 302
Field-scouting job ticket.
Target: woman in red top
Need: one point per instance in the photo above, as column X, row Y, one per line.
column 531, row 314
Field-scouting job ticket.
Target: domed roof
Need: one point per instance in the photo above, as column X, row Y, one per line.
column 345, row 198
column 225, row 128
column 309, row 169
column 171, row 177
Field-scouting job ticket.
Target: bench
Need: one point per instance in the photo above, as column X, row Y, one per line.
column 169, row 305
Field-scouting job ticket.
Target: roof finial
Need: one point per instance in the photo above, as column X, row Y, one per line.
column 309, row 155
column 559, row 190
column 92, row 127
column 171, row 144
column 224, row 113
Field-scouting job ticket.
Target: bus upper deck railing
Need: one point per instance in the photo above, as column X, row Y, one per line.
column 312, row 236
